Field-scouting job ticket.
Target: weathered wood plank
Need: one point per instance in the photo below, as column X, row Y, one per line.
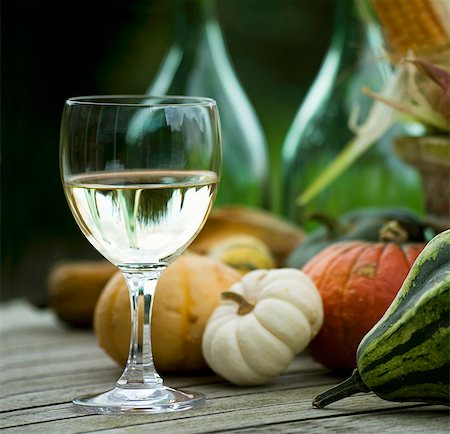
column 212, row 386
column 56, row 339
column 418, row 420
column 50, row 336
column 68, row 366
column 57, row 382
column 71, row 367
column 230, row 413
column 46, row 365
column 286, row 386
column 89, row 379
column 40, row 358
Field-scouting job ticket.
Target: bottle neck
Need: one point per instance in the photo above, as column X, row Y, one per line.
column 348, row 32
column 356, row 41
column 197, row 39
column 191, row 17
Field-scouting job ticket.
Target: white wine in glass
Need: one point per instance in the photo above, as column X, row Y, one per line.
column 140, row 175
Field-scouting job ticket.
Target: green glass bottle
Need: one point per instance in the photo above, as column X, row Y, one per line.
column 320, row 129
column 198, row 64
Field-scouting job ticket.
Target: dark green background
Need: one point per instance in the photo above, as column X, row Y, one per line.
column 52, row 50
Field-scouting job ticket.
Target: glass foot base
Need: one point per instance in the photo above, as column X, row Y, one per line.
column 121, row 400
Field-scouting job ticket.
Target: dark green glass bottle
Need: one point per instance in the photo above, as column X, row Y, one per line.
column 321, row 129
column 198, row 64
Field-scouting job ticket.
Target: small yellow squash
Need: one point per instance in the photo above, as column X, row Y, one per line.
column 244, row 253
column 263, row 321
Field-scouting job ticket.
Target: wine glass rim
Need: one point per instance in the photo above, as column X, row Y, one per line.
column 141, row 100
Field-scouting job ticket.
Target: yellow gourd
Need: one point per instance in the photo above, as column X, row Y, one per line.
column 263, row 321
column 278, row 234
column 244, row 253
column 187, row 293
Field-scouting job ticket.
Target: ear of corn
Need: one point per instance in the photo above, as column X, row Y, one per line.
column 442, row 10
column 418, row 25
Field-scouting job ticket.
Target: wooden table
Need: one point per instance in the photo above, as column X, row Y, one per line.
column 45, row 365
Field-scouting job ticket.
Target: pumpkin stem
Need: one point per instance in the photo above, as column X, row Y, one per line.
column 393, row 231
column 352, row 385
column 333, row 226
column 245, row 306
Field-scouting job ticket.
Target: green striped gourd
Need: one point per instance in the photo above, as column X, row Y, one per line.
column 406, row 355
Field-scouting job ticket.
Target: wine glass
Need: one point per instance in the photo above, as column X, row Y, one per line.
column 140, row 174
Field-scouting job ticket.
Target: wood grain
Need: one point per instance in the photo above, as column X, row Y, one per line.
column 45, row 365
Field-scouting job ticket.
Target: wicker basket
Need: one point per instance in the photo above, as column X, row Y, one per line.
column 430, row 155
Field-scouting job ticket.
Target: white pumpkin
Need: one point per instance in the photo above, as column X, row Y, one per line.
column 262, row 323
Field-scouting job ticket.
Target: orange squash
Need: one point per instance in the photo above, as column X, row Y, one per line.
column 74, row 288
column 187, row 293
column 357, row 281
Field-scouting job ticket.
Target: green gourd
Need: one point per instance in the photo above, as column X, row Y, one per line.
column 406, row 355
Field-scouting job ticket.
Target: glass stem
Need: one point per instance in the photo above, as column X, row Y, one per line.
column 140, row 370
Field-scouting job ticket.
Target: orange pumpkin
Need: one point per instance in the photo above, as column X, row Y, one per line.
column 357, row 281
